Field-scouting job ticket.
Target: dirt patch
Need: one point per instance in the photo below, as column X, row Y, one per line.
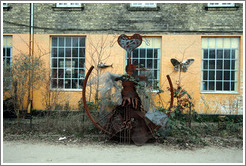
column 68, row 140
column 40, row 152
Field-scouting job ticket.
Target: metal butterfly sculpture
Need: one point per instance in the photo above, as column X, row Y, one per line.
column 182, row 65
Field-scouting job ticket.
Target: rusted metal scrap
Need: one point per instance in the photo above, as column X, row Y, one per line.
column 127, row 122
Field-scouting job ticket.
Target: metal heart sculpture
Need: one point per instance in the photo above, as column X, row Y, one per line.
column 129, row 43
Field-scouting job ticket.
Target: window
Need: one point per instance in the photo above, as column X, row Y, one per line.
column 221, row 4
column 67, row 62
column 5, row 4
column 147, row 55
column 68, row 4
column 143, row 4
column 7, row 59
column 220, row 64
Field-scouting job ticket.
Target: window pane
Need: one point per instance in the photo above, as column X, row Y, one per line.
column 233, row 54
column 68, row 52
column 68, row 41
column 155, row 53
column 68, row 73
column 54, row 62
column 227, row 64
column 155, row 63
column 232, row 86
column 219, row 75
column 149, row 53
column 205, row 64
column 54, row 52
column 205, row 75
column 68, row 83
column 75, row 84
column 75, row 73
column 212, row 64
column 219, row 86
column 205, row 54
column 75, row 52
column 211, row 54
column 232, row 75
column 60, row 73
column 7, row 61
column 81, row 63
column 61, row 63
column 81, row 82
column 219, row 54
column 227, row 54
column 135, row 53
column 61, row 52
column 54, row 73
column 54, row 83
column 142, row 53
column 60, row 83
column 81, row 52
column 75, row 62
column 149, row 63
column 211, row 85
column 8, row 52
column 155, row 73
column 61, row 41
column 4, row 52
column 226, row 86
column 135, row 61
column 68, row 63
column 226, row 75
column 81, row 73
column 54, row 41
column 82, row 42
column 75, row 42
column 211, row 75
column 233, row 64
column 219, row 64
column 142, row 62
column 205, row 85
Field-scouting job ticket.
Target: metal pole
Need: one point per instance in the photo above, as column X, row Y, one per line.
column 31, row 52
column 32, row 40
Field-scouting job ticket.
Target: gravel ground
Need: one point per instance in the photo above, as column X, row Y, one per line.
column 41, row 152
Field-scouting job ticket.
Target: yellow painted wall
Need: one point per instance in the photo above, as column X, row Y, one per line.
column 172, row 46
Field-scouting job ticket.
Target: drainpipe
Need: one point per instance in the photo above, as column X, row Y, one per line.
column 32, row 34
column 31, row 52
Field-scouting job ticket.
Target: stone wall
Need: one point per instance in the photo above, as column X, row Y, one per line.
column 110, row 18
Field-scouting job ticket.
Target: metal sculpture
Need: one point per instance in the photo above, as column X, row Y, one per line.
column 127, row 122
column 181, row 65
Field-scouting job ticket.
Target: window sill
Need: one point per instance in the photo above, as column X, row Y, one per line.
column 214, row 92
column 224, row 8
column 129, row 8
column 67, row 90
column 68, row 8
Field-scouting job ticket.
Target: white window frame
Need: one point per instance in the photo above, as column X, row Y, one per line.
column 5, row 4
column 221, row 4
column 68, row 4
column 146, row 58
column 143, row 5
column 236, row 79
column 67, row 64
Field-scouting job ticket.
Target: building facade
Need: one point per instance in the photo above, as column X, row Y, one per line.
column 73, row 36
